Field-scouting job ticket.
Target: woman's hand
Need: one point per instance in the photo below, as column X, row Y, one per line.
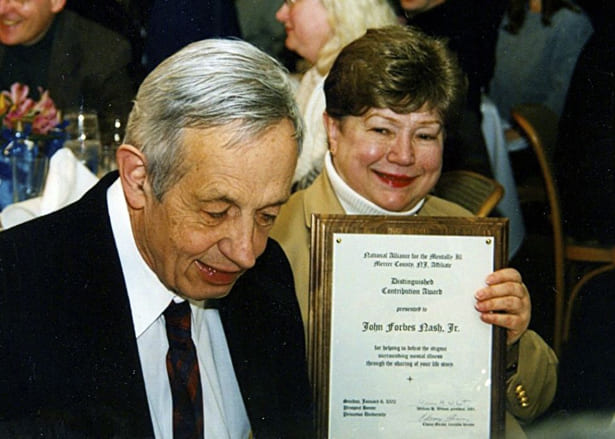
column 505, row 302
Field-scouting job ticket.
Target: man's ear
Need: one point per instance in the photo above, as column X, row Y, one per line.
column 332, row 125
column 132, row 167
column 57, row 5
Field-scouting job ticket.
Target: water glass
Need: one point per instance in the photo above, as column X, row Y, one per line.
column 84, row 138
column 29, row 175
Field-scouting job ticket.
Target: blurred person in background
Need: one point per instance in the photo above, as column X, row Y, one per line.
column 318, row 30
column 537, row 48
column 81, row 63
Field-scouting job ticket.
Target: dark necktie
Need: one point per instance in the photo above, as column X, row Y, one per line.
column 183, row 369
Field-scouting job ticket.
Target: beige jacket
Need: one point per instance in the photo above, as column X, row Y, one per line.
column 535, row 379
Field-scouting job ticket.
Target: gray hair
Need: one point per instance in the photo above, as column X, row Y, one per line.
column 207, row 84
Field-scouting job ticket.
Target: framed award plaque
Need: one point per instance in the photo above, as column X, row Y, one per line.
column 396, row 347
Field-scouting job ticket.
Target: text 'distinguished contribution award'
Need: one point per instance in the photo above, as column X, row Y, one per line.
column 398, row 349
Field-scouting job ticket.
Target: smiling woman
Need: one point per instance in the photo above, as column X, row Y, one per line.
column 392, row 159
column 390, row 97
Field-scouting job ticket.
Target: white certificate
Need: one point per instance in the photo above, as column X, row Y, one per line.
column 408, row 353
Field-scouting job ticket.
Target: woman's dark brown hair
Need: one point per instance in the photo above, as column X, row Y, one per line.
column 399, row 68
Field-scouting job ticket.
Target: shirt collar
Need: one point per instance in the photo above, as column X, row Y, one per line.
column 148, row 296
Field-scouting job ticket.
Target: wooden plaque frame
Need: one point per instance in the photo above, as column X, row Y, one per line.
column 321, row 275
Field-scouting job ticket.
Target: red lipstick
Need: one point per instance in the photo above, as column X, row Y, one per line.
column 395, row 181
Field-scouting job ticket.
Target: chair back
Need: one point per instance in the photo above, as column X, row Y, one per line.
column 471, row 190
column 540, row 125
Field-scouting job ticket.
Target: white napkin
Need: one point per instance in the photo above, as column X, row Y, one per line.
column 67, row 180
column 21, row 212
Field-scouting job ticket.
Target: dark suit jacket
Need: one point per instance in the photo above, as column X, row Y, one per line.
column 89, row 66
column 70, row 365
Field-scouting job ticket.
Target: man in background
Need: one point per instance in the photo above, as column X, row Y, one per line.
column 82, row 64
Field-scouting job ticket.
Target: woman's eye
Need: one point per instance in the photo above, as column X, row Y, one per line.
column 426, row 136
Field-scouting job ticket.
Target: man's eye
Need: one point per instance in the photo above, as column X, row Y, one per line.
column 216, row 215
column 266, row 220
column 381, row 130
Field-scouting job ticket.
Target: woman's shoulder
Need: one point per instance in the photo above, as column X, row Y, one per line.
column 435, row 206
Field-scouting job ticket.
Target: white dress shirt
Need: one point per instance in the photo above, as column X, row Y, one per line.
column 224, row 412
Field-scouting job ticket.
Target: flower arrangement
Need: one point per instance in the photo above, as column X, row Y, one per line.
column 29, row 129
column 26, row 119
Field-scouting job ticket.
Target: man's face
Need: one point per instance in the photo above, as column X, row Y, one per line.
column 26, row 21
column 211, row 225
column 418, row 6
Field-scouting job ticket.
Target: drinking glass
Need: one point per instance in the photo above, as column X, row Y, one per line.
column 84, row 138
column 29, row 175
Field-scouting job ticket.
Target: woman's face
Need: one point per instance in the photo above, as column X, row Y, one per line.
column 307, row 27
column 391, row 159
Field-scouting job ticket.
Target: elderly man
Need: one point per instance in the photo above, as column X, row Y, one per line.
column 93, row 296
column 81, row 63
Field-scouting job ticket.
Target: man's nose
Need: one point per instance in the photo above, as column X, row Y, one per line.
column 239, row 244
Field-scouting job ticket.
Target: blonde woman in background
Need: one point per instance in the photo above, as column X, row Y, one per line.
column 318, row 30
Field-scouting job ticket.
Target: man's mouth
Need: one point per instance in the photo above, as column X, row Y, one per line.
column 9, row 21
column 215, row 276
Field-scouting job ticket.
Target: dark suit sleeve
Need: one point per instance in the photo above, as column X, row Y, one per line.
column 265, row 335
column 69, row 362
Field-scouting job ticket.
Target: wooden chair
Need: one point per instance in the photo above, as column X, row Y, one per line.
column 475, row 192
column 539, row 125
